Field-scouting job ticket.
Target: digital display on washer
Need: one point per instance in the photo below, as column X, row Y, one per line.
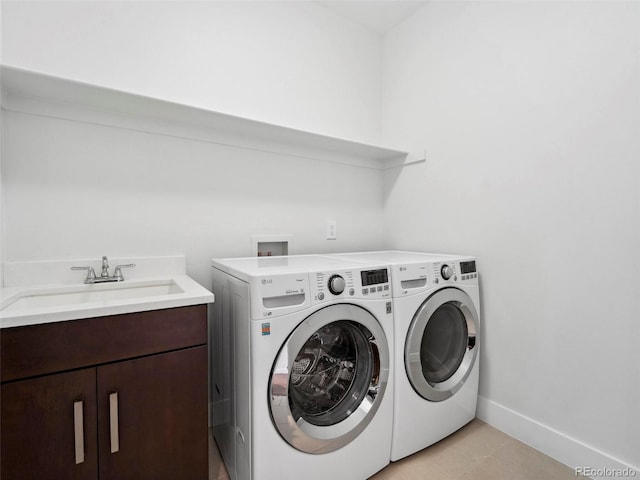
column 467, row 267
column 373, row 277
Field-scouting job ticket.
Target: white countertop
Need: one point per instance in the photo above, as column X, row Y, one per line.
column 23, row 305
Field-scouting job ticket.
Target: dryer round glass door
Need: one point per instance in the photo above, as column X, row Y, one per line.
column 441, row 346
column 329, row 378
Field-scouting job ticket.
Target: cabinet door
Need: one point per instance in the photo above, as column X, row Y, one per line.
column 49, row 427
column 153, row 417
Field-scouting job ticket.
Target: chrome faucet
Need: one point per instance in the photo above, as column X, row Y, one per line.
column 104, row 276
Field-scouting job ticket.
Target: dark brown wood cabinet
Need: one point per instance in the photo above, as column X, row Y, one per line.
column 158, row 419
column 38, row 427
column 117, row 398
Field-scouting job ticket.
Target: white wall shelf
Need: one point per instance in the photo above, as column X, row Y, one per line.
column 41, row 94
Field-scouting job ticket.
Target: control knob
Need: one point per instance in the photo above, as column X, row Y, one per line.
column 446, row 271
column 336, row 284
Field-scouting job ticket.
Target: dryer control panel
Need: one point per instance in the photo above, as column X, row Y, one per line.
column 368, row 284
column 416, row 277
column 455, row 271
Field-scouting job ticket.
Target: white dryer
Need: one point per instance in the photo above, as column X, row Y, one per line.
column 301, row 363
column 437, row 327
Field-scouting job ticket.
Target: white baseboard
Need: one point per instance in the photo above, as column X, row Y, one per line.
column 553, row 443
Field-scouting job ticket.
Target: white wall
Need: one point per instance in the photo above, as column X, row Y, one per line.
column 1, row 168
column 290, row 63
column 76, row 189
column 530, row 115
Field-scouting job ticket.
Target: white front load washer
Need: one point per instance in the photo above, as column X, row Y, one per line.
column 301, row 365
column 437, row 327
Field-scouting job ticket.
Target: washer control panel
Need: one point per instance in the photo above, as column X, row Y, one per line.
column 276, row 295
column 336, row 284
column 370, row 283
column 446, row 271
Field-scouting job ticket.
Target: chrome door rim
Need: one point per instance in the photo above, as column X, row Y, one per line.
column 437, row 392
column 300, row 433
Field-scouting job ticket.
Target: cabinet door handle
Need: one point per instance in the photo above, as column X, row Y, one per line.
column 113, row 422
column 78, row 430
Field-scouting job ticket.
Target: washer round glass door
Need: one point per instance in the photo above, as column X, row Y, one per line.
column 329, row 378
column 441, row 346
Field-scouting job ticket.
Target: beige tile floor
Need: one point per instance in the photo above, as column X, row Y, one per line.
column 216, row 466
column 475, row 452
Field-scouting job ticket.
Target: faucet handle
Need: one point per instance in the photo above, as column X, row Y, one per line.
column 105, row 267
column 117, row 273
column 91, row 274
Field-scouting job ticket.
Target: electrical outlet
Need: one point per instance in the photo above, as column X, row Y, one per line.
column 331, row 230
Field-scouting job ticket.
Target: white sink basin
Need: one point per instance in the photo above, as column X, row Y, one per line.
column 87, row 294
